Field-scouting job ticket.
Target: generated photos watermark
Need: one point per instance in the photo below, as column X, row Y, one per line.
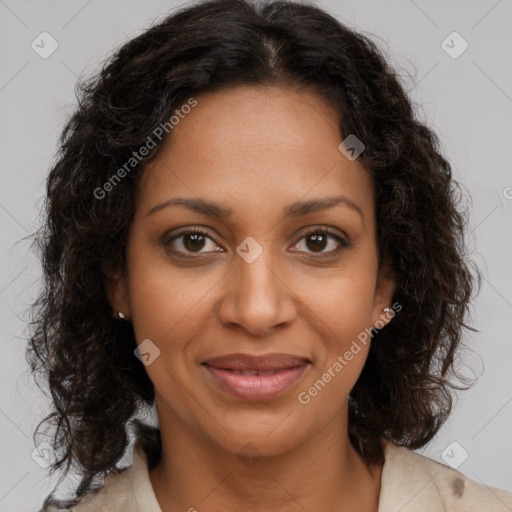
column 304, row 397
column 143, row 151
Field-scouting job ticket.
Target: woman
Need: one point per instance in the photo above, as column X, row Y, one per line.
column 248, row 229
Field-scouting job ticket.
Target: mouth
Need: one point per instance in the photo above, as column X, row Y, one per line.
column 249, row 377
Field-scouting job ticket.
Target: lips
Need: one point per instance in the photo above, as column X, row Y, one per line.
column 249, row 377
column 246, row 362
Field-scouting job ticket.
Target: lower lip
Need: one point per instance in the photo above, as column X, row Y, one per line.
column 256, row 387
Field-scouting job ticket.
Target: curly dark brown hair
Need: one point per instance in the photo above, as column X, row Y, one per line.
column 86, row 357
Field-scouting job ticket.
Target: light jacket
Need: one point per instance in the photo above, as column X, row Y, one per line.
column 410, row 482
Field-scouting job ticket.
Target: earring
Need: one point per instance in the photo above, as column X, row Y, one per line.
column 386, row 310
column 120, row 315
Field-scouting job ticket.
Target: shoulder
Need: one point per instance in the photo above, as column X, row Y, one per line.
column 412, row 482
column 127, row 491
column 115, row 495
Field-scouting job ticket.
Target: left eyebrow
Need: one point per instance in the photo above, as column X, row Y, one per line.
column 293, row 210
column 313, row 205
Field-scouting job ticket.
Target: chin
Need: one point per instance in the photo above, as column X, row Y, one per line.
column 256, row 435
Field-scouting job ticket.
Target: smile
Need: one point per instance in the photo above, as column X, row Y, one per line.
column 255, row 384
column 256, row 377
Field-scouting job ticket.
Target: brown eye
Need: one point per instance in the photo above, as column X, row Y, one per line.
column 317, row 242
column 193, row 240
column 319, row 239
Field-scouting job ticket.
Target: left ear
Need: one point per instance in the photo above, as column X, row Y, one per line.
column 383, row 298
column 115, row 285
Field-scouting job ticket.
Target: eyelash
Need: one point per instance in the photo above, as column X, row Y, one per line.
column 323, row 231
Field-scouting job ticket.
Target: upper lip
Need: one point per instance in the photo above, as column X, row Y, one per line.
column 258, row 363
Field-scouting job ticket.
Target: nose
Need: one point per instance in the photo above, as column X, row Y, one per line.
column 258, row 296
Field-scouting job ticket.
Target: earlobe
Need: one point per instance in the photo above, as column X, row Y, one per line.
column 384, row 291
column 116, row 289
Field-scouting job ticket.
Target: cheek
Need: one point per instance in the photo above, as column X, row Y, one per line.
column 165, row 299
column 326, row 394
column 342, row 346
column 343, row 298
column 342, row 304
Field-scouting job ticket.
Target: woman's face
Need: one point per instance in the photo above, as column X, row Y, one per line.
column 262, row 279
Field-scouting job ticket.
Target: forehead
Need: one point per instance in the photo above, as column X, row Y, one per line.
column 254, row 147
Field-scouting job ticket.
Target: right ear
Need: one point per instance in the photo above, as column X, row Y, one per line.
column 117, row 293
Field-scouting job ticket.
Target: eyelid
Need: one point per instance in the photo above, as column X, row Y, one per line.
column 344, row 241
column 170, row 236
column 326, row 228
column 331, row 231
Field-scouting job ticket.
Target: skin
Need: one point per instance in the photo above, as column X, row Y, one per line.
column 255, row 150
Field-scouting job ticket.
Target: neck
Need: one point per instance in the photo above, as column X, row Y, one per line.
column 323, row 473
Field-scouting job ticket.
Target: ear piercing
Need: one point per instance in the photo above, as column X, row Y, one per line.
column 121, row 315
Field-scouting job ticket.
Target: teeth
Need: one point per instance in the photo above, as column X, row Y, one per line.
column 254, row 372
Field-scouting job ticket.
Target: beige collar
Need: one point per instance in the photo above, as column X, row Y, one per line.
column 410, row 482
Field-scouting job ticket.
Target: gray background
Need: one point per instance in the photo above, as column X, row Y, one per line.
column 467, row 99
